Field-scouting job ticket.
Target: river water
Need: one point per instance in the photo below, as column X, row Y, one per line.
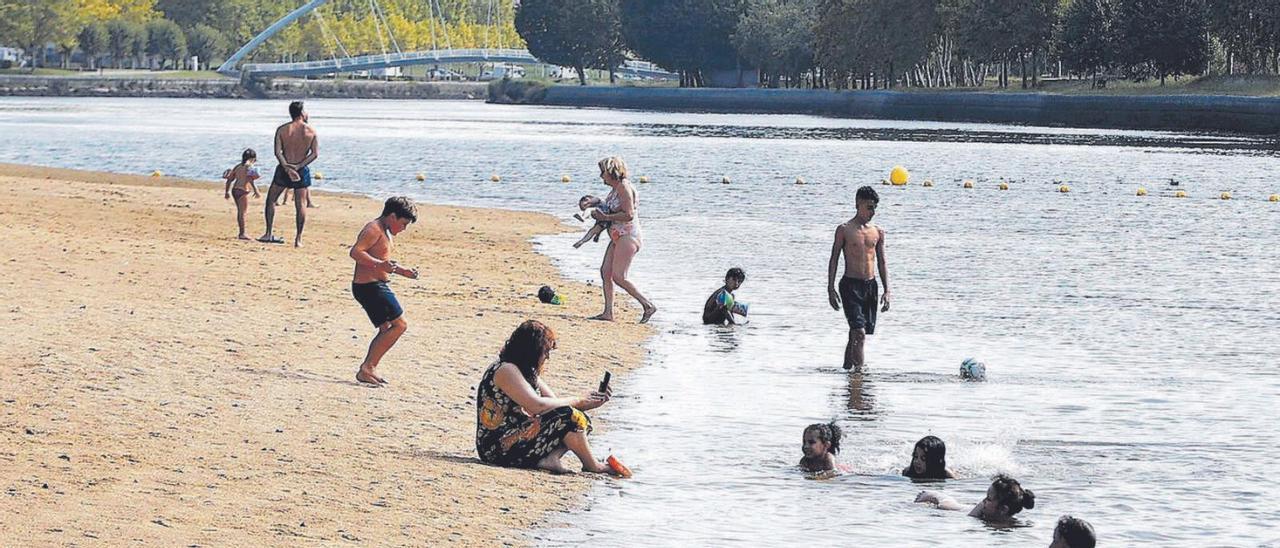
column 1131, row 342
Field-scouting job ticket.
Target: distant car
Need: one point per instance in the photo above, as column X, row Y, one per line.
column 444, row 74
column 503, row 71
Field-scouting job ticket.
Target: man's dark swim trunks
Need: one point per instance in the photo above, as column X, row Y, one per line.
column 281, row 178
column 378, row 302
column 859, row 299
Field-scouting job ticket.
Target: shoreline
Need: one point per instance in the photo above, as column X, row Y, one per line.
column 1213, row 113
column 174, row 385
column 230, row 88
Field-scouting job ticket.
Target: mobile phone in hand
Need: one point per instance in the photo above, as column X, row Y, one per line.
column 604, row 384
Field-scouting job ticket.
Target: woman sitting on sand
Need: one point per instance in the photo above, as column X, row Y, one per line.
column 520, row 423
column 624, row 237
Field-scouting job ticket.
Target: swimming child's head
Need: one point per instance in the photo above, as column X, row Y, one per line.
column 613, row 169
column 1073, row 532
column 399, row 212
column 734, row 277
column 248, row 156
column 820, row 439
column 867, row 200
column 928, row 459
column 1005, row 498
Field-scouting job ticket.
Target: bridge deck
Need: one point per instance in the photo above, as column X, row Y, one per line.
column 429, row 57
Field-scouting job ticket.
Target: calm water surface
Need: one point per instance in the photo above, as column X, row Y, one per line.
column 1131, row 342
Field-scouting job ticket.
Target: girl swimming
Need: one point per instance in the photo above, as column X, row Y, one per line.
column 1004, row 499
column 820, row 444
column 929, row 461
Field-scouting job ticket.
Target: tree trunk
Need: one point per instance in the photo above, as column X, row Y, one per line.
column 1022, row 69
column 582, row 75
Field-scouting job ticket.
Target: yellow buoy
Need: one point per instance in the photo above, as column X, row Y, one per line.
column 157, row 173
column 1064, row 189
column 1225, row 195
column 1274, row 198
column 1142, row 191
column 928, row 182
column 319, row 175
column 644, row 179
column 421, row 176
column 899, row 175
column 1004, row 186
column 724, row 180
column 565, row 178
column 799, row 180
column 968, row 184
column 1180, row 194
column 495, row 178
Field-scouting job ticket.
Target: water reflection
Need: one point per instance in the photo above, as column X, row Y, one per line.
column 861, row 401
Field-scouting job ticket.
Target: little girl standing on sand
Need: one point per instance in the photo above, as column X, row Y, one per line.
column 242, row 177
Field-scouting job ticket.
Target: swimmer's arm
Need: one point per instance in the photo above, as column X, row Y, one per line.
column 837, row 246
column 883, row 266
column 941, row 500
column 360, row 251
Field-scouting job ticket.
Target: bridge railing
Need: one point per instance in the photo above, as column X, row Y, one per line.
column 341, row 63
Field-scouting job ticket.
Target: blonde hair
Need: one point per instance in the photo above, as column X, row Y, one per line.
column 614, row 167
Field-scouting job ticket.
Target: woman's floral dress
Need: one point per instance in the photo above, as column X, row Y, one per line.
column 507, row 436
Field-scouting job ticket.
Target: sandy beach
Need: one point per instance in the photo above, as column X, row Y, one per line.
column 170, row 385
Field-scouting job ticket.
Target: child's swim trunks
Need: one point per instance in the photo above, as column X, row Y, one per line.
column 859, row 299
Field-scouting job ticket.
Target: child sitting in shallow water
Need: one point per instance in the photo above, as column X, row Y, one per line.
column 593, row 234
column 929, row 461
column 1005, row 498
column 820, row 444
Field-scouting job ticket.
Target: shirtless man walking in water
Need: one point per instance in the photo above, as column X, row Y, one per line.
column 296, row 147
column 374, row 267
column 862, row 245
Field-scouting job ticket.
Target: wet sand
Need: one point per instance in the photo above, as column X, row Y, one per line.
column 171, row 385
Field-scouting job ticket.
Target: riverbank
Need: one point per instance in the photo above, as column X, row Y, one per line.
column 230, row 88
column 169, row 384
column 1187, row 112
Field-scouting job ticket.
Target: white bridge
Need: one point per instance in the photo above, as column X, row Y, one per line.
column 396, row 58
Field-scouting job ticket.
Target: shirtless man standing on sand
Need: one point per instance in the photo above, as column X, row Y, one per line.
column 862, row 245
column 296, row 147
column 374, row 268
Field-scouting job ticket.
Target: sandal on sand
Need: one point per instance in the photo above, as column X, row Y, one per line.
column 272, row 240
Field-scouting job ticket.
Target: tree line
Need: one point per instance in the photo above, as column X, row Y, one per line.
column 918, row 43
column 164, row 33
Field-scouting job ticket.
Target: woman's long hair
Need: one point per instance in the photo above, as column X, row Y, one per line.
column 935, row 459
column 528, row 348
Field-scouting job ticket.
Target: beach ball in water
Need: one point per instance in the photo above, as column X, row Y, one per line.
column 898, row 176
column 725, row 299
column 973, row 370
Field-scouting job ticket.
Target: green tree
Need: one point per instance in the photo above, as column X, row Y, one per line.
column 126, row 41
column 1163, row 37
column 1086, row 40
column 874, row 40
column 689, row 36
column 166, row 41
column 207, row 43
column 777, row 37
column 574, row 33
column 34, row 23
column 94, row 41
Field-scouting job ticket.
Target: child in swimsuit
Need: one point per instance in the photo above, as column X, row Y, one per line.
column 239, row 182
column 820, row 444
column 593, row 234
